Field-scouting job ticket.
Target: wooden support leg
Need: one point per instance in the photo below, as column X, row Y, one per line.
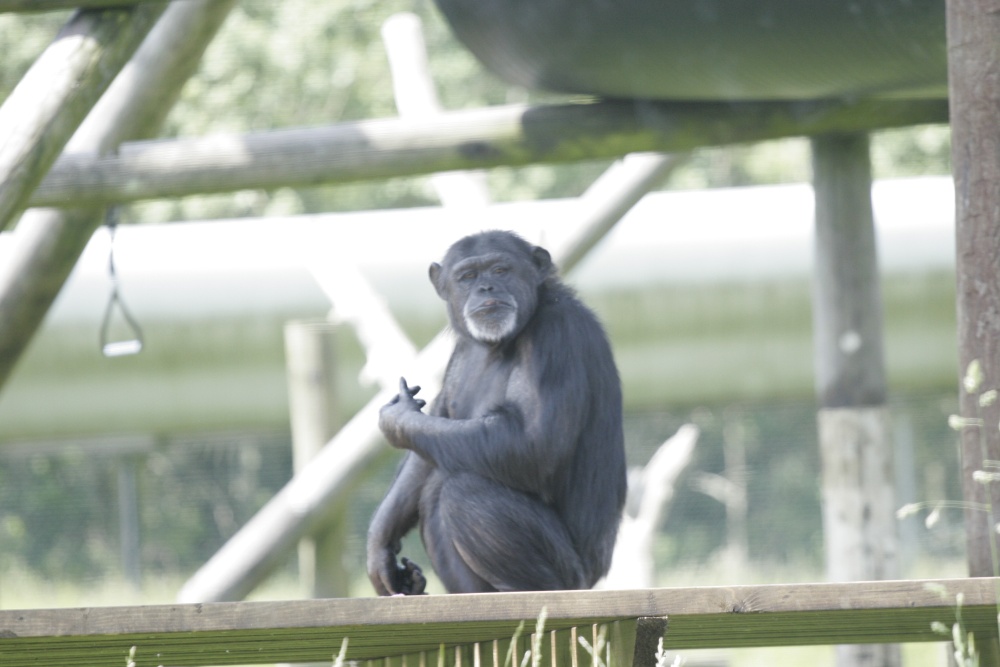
column 311, row 368
column 649, row 630
column 858, row 496
column 974, row 95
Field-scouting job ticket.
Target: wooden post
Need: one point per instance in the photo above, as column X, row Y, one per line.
column 128, row 518
column 857, row 478
column 55, row 95
column 649, row 630
column 47, row 243
column 312, row 402
column 974, row 88
column 734, row 456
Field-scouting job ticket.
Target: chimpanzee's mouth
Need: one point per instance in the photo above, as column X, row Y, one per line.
column 491, row 306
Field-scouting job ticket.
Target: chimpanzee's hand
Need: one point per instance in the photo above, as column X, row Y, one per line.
column 391, row 578
column 392, row 413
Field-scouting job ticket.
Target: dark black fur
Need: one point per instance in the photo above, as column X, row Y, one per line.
column 517, row 474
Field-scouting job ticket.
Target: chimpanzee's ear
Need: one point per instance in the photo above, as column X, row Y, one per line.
column 543, row 260
column 436, row 279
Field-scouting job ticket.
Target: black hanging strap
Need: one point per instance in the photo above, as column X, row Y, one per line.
column 133, row 345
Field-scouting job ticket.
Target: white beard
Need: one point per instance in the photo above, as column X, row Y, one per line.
column 491, row 329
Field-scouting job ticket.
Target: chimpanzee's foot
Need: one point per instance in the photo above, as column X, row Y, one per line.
column 411, row 578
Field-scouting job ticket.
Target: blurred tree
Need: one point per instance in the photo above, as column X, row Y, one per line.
column 22, row 38
column 299, row 62
column 59, row 516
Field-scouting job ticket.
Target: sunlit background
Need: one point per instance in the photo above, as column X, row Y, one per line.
column 119, row 477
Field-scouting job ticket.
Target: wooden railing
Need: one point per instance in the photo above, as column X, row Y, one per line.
column 476, row 630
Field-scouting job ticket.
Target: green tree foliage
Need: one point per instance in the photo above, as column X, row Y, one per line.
column 22, row 38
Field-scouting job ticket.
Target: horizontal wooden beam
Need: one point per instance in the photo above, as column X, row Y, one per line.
column 228, row 633
column 52, row 5
column 491, row 137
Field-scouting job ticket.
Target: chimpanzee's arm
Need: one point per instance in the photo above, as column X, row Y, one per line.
column 393, row 519
column 519, row 443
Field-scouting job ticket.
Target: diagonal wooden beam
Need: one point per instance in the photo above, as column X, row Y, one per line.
column 458, row 140
column 54, row 96
column 47, row 242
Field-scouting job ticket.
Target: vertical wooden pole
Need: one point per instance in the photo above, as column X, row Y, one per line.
column 735, row 461
column 850, row 366
column 128, row 518
column 857, row 479
column 974, row 68
column 974, row 92
column 312, row 405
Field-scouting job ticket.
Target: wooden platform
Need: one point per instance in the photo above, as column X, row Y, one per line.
column 242, row 633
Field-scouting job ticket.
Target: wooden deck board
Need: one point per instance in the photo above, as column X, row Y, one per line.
column 311, row 630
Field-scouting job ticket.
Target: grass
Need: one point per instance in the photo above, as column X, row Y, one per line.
column 23, row 589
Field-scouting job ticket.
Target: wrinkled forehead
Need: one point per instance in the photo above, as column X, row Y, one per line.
column 486, row 247
column 482, row 261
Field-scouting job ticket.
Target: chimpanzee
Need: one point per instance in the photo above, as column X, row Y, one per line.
column 517, row 474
